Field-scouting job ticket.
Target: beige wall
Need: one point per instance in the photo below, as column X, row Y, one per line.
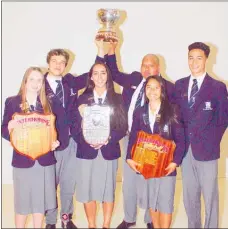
column 30, row 30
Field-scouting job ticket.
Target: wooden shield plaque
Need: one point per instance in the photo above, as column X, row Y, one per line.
column 153, row 153
column 96, row 124
column 34, row 134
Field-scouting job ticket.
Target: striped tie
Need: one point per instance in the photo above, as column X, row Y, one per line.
column 31, row 108
column 140, row 96
column 59, row 91
column 194, row 91
column 100, row 101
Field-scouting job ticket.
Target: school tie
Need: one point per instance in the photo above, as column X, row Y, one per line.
column 31, row 108
column 193, row 93
column 59, row 91
column 99, row 101
column 140, row 96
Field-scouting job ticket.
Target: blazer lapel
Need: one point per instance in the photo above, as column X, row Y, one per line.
column 39, row 107
column 66, row 91
column 145, row 119
column 184, row 93
column 203, row 92
column 49, row 92
column 90, row 99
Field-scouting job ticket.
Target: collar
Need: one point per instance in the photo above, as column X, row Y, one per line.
column 51, row 78
column 96, row 96
column 198, row 78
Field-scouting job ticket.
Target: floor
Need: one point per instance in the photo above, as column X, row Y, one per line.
column 179, row 217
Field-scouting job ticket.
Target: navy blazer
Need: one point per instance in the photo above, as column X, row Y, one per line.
column 110, row 151
column 176, row 134
column 206, row 122
column 70, row 100
column 12, row 105
column 130, row 82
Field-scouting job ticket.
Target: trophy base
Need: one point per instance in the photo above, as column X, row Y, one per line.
column 106, row 36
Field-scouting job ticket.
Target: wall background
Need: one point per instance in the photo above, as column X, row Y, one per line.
column 31, row 29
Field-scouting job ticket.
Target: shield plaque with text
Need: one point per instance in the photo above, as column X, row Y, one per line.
column 96, row 124
column 153, row 153
column 34, row 134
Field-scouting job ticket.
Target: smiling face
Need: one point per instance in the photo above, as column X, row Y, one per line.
column 197, row 62
column 153, row 90
column 57, row 65
column 99, row 76
column 34, row 82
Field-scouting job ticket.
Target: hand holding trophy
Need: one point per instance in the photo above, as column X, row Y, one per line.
column 108, row 18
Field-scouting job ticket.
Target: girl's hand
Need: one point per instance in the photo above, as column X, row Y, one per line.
column 97, row 146
column 133, row 165
column 55, row 144
column 170, row 168
column 12, row 124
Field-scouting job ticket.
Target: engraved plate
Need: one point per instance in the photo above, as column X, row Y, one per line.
column 153, row 153
column 34, row 134
column 96, row 124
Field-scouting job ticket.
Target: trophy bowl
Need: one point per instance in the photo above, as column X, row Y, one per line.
column 108, row 18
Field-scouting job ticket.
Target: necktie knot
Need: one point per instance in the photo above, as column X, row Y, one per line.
column 100, row 101
column 58, row 81
column 32, row 108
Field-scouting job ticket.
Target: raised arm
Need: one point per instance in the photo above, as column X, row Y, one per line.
column 123, row 79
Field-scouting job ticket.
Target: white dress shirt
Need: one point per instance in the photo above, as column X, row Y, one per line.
column 53, row 84
column 133, row 102
column 152, row 117
column 199, row 83
column 96, row 96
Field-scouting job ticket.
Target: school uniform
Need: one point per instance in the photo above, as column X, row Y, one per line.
column 131, row 81
column 65, row 167
column 205, row 121
column 157, row 193
column 96, row 168
column 34, row 180
column 132, row 84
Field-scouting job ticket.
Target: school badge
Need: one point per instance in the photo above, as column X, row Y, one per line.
column 208, row 106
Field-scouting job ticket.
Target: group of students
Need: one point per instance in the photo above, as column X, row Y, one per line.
column 193, row 113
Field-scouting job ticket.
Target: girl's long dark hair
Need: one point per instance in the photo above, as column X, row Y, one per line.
column 119, row 114
column 167, row 110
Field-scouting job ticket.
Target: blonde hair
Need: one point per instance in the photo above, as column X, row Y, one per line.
column 42, row 94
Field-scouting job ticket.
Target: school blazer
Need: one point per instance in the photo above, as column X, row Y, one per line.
column 110, row 151
column 130, row 82
column 206, row 122
column 12, row 105
column 175, row 132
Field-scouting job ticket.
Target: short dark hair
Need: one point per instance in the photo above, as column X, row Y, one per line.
column 58, row 52
column 200, row 45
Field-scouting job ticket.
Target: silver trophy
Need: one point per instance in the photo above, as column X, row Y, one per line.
column 108, row 18
column 96, row 124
